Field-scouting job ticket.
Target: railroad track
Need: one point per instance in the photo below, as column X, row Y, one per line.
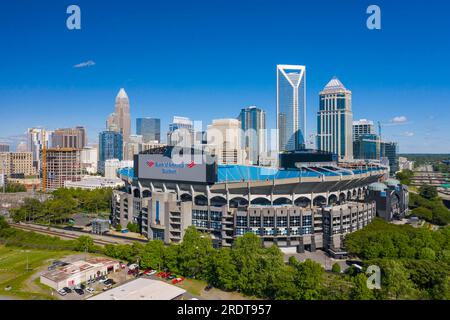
column 59, row 234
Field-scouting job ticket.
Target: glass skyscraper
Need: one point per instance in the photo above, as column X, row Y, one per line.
column 367, row 147
column 110, row 147
column 149, row 129
column 291, row 107
column 335, row 120
column 389, row 150
column 253, row 125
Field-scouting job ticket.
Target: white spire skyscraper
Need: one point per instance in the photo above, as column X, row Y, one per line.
column 120, row 120
column 291, row 107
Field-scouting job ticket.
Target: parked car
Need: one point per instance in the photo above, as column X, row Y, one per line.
column 177, row 280
column 79, row 291
column 171, row 277
column 123, row 265
column 208, row 287
column 109, row 282
column 62, row 292
column 67, row 289
column 133, row 266
column 149, row 272
column 90, row 290
column 102, row 280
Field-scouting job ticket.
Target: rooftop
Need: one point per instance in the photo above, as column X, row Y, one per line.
column 142, row 289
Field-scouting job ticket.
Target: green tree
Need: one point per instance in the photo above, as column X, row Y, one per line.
column 428, row 192
column 336, row 268
column 423, row 213
column 221, row 269
column 194, row 251
column 360, row 290
column 427, row 254
column 153, row 255
column 84, row 243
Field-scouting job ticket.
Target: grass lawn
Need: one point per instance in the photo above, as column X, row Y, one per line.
column 14, row 271
column 193, row 286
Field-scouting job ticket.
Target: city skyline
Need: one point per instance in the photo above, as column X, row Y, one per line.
column 61, row 91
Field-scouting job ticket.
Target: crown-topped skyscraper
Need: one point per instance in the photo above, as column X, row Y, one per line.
column 335, row 119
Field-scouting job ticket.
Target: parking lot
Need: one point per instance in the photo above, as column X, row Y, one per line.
column 115, row 279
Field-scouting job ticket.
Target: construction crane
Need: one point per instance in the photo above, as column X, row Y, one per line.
column 379, row 129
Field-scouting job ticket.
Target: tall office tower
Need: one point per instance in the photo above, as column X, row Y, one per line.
column 89, row 159
column 335, row 120
column 291, row 107
column 149, row 129
column 59, row 166
column 253, row 140
column 389, row 151
column 120, row 120
column 224, row 141
column 36, row 139
column 361, row 127
column 367, row 147
column 74, row 138
column 110, row 146
column 133, row 146
column 17, row 164
column 4, row 147
column 181, row 132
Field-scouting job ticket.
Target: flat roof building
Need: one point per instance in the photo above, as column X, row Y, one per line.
column 73, row 274
column 142, row 289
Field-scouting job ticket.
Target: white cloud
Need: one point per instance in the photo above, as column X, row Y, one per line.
column 399, row 120
column 408, row 134
column 85, row 64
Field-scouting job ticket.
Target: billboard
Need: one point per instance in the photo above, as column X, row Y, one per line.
column 162, row 167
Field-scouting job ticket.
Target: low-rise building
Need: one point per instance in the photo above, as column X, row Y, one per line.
column 17, row 164
column 142, row 289
column 91, row 183
column 79, row 272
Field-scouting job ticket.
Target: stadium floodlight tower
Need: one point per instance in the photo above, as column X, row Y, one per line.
column 291, row 107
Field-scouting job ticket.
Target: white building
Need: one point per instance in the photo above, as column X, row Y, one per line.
column 142, row 289
column 89, row 159
column 79, row 272
column 181, row 132
column 224, row 141
column 112, row 165
column 362, row 126
column 91, row 183
column 405, row 164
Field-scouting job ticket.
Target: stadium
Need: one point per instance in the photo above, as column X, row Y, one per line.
column 304, row 205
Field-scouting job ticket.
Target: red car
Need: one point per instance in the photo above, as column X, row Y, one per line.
column 177, row 280
column 160, row 274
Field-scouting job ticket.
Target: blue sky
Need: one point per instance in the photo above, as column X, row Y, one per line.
column 208, row 59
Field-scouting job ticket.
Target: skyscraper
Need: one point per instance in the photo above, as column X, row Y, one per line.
column 291, row 107
column 4, row 147
column 75, row 138
column 110, row 147
column 335, row 120
column 37, row 138
column 367, row 147
column 361, row 127
column 149, row 129
column 120, row 120
column 181, row 132
column 253, row 140
column 224, row 141
column 389, row 150
column 59, row 166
